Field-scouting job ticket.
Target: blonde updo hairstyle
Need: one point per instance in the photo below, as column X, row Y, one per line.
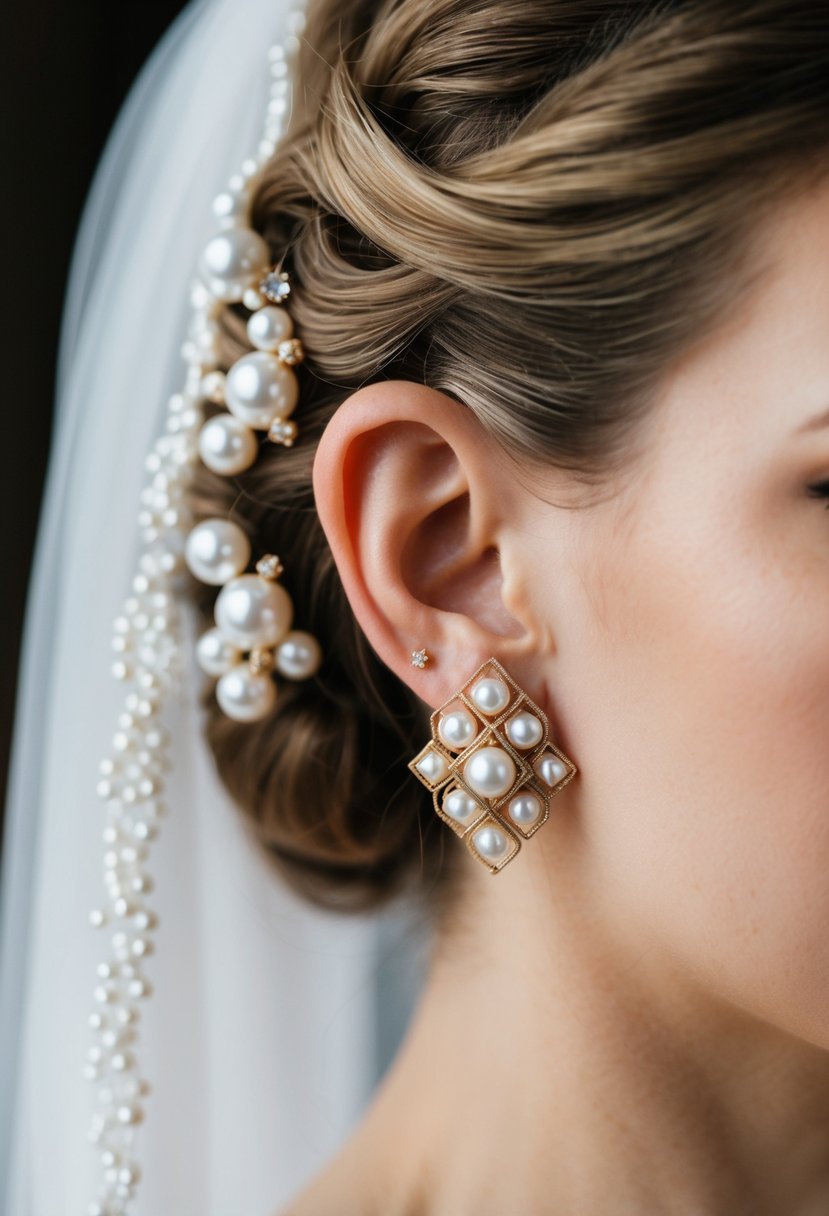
column 534, row 206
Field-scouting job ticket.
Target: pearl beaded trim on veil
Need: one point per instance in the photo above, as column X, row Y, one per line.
column 253, row 613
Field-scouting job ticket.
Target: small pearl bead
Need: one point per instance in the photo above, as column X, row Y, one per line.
column 217, row 550
column 460, row 806
column 524, row 730
column 434, row 766
column 490, row 772
column 298, row 655
column 228, row 206
column 253, row 299
column 231, row 260
column 457, row 729
column 215, row 654
column 491, row 843
column 244, row 695
column 252, row 611
column 259, row 388
column 227, row 445
column 491, row 695
column 525, row 808
column 268, row 327
column 550, row 769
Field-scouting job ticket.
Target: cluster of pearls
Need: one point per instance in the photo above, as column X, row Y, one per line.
column 146, row 631
column 489, row 766
column 253, row 613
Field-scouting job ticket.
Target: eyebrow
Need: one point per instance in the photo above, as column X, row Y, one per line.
column 814, row 423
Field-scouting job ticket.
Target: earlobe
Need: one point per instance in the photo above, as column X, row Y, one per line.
column 407, row 492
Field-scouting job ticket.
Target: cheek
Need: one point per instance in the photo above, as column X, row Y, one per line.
column 702, row 670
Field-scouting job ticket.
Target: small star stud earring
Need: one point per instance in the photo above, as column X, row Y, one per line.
column 420, row 658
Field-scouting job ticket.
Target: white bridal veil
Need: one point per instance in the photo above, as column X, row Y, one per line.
column 270, row 1022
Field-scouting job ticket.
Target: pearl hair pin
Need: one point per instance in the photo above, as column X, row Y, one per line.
column 253, row 613
column 490, row 766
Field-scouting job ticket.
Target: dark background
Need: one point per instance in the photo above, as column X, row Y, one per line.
column 67, row 69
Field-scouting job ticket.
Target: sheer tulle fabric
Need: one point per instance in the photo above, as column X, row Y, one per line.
column 271, row 1022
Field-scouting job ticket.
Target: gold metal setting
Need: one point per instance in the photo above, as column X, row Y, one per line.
column 541, row 770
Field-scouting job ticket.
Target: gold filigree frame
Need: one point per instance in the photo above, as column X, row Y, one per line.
column 441, row 768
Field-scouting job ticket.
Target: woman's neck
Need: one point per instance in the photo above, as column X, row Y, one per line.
column 556, row 1064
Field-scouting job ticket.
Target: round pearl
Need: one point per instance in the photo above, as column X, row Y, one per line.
column 267, row 327
column 457, row 729
column 216, row 550
column 524, row 730
column 491, row 843
column 231, row 259
column 298, row 655
column 230, row 206
column 260, row 389
column 490, row 772
column 433, row 766
column 244, row 695
column 227, row 445
column 215, row 654
column 525, row 808
column 550, row 769
column 491, row 695
column 251, row 611
column 460, row 806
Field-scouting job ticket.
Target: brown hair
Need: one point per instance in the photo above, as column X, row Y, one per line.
column 534, row 206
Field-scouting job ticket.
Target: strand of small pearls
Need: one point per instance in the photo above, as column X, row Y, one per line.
column 146, row 641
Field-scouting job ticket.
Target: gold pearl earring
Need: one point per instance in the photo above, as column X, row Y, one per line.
column 490, row 766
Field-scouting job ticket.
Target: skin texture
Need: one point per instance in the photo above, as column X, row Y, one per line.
column 633, row 1017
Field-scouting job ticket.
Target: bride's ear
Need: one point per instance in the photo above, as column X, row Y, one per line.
column 414, row 498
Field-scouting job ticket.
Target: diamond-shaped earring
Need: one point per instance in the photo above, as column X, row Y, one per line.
column 490, row 765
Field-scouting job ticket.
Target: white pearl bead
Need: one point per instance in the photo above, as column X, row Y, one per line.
column 433, row 766
column 524, row 730
column 490, row 772
column 525, row 808
column 298, row 655
column 460, row 806
column 252, row 611
column 216, row 550
column 260, row 389
column 229, row 207
column 550, row 769
column 212, row 387
column 227, row 445
column 245, row 695
column 231, row 260
column 457, row 729
column 269, row 326
column 215, row 654
column 491, row 695
column 491, row 843
column 253, row 299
